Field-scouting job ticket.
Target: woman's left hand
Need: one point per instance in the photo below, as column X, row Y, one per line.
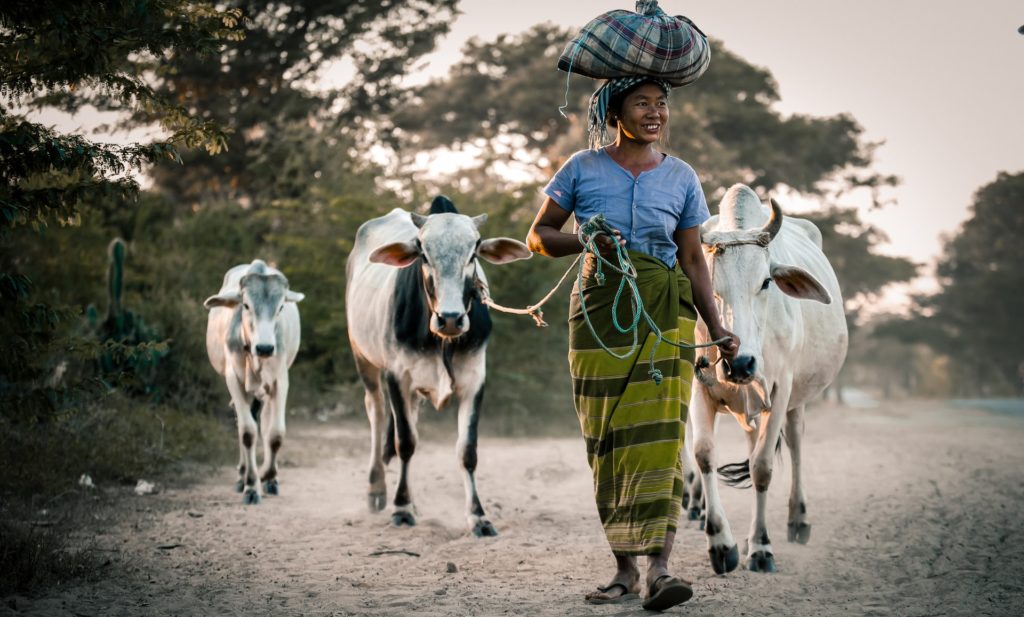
column 728, row 348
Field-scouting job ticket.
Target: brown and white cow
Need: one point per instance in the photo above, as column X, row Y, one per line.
column 419, row 331
column 252, row 337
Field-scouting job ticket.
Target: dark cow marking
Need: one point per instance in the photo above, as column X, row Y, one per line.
column 711, row 527
column 469, row 457
column 803, row 508
column 763, row 540
column 411, row 317
column 275, row 443
column 374, row 475
column 247, row 439
column 255, row 408
column 477, row 508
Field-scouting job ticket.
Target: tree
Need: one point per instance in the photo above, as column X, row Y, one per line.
column 266, row 89
column 54, row 52
column 976, row 315
column 503, row 95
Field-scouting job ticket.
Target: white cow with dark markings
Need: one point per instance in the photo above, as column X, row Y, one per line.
column 252, row 337
column 418, row 331
column 777, row 291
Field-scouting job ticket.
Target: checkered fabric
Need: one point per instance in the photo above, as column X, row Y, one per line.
column 648, row 42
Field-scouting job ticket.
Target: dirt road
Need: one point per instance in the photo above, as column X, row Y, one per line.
column 917, row 509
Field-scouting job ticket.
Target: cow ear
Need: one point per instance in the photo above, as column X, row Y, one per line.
column 228, row 299
column 294, row 296
column 479, row 220
column 799, row 283
column 398, row 254
column 503, row 250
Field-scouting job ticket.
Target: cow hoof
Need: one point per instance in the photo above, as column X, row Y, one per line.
column 724, row 559
column 799, row 532
column 251, row 497
column 377, row 501
column 270, row 487
column 484, row 529
column 761, row 561
column 403, row 518
column 693, row 514
column 240, row 486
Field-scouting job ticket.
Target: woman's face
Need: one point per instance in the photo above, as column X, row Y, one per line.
column 644, row 114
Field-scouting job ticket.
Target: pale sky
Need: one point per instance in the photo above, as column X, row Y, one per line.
column 940, row 82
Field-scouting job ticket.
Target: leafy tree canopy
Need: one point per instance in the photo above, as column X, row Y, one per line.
column 976, row 316
column 505, row 94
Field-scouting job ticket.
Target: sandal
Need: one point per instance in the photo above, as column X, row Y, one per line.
column 665, row 592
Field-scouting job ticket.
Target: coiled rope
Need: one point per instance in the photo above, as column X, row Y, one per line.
column 588, row 234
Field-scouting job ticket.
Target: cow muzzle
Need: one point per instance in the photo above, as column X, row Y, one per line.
column 741, row 369
column 264, row 351
column 450, row 324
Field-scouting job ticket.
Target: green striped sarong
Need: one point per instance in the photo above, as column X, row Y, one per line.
column 633, row 428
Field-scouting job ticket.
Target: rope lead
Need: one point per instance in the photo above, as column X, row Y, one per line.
column 588, row 234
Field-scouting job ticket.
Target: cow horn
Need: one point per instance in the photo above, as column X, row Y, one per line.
column 418, row 219
column 774, row 223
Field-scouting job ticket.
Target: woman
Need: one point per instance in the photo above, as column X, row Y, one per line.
column 634, row 428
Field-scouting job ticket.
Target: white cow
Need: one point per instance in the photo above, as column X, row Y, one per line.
column 252, row 336
column 776, row 290
column 418, row 330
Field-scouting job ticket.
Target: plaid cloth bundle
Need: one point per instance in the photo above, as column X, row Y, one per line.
column 648, row 43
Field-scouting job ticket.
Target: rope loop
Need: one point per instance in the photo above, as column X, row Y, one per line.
column 588, row 234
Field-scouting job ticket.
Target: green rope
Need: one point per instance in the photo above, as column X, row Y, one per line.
column 588, row 234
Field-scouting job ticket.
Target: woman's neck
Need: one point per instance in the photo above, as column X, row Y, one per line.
column 635, row 157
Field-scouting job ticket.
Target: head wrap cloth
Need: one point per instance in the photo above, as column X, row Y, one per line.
column 597, row 114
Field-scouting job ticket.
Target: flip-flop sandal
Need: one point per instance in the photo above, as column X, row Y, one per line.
column 670, row 593
column 626, row 595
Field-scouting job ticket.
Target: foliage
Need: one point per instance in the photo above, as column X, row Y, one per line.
column 851, row 245
column 74, row 54
column 975, row 317
column 270, row 84
column 503, row 95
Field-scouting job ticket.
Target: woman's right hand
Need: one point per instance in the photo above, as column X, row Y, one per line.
column 606, row 244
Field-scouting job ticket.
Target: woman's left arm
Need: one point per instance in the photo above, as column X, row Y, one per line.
column 691, row 260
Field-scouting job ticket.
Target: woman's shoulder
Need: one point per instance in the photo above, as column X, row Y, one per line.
column 679, row 166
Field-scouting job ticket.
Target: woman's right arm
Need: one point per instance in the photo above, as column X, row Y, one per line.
column 547, row 238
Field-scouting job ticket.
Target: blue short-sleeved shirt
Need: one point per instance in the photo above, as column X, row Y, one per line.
column 647, row 209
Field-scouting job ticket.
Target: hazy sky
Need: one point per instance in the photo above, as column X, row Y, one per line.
column 940, row 82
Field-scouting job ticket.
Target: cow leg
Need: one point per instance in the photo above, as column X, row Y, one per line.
column 373, row 399
column 722, row 548
column 273, row 425
column 760, row 556
column 247, row 433
column 693, row 489
column 404, row 412
column 799, row 528
column 465, row 449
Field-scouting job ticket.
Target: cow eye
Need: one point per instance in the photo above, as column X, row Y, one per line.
column 245, row 306
column 765, row 284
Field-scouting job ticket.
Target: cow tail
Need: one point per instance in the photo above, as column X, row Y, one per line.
column 738, row 474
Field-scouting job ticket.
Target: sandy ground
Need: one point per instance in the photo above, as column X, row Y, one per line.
column 917, row 509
